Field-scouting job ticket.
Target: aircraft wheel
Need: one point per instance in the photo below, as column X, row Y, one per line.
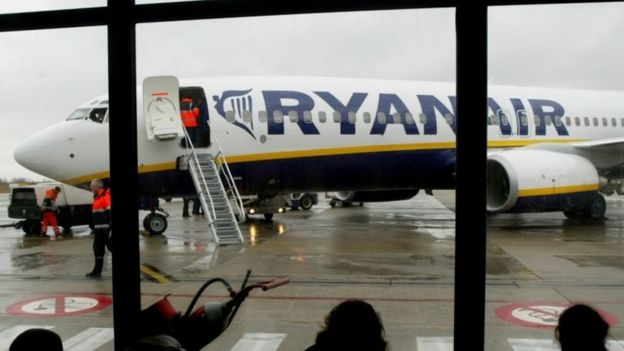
column 332, row 203
column 268, row 217
column 155, row 223
column 307, row 202
column 598, row 207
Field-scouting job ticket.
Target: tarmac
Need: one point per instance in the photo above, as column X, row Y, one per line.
column 399, row 256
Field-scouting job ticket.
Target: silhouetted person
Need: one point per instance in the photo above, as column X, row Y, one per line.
column 37, row 339
column 581, row 328
column 352, row 325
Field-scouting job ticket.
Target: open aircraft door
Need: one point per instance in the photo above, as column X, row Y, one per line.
column 161, row 108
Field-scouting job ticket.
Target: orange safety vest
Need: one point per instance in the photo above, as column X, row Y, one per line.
column 51, row 194
column 101, row 209
column 190, row 117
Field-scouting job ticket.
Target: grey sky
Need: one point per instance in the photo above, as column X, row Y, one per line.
column 45, row 74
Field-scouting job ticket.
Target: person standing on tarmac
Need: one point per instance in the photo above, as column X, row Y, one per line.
column 48, row 212
column 101, row 226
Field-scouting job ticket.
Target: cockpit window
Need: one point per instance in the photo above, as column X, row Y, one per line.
column 97, row 115
column 80, row 113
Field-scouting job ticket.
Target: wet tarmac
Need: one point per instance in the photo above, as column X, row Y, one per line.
column 398, row 255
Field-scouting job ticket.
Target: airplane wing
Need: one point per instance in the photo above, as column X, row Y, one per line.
column 609, row 146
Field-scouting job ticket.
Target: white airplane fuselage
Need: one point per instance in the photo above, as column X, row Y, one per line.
column 296, row 134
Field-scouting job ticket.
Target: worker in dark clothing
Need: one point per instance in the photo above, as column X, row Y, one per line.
column 101, row 226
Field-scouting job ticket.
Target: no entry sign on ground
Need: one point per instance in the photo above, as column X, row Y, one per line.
column 60, row 305
column 540, row 314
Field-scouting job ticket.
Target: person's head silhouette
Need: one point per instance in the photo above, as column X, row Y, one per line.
column 37, row 339
column 352, row 325
column 581, row 328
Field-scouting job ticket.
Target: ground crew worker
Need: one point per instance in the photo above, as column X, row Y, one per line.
column 190, row 117
column 48, row 217
column 48, row 212
column 101, row 226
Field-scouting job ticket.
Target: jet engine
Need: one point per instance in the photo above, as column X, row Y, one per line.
column 528, row 180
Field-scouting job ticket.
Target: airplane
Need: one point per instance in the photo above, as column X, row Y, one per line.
column 548, row 149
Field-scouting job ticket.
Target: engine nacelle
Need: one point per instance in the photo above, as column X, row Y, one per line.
column 376, row 196
column 527, row 180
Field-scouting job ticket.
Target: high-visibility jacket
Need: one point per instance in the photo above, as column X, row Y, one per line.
column 51, row 194
column 190, row 117
column 101, row 209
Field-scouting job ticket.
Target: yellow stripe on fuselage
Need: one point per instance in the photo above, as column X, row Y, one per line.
column 557, row 190
column 325, row 152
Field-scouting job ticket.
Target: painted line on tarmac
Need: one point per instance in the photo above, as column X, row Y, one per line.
column 89, row 339
column 7, row 336
column 551, row 345
column 259, row 342
column 440, row 343
column 154, row 274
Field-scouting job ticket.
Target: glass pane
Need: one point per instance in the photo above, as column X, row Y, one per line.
column 53, row 134
column 555, row 216
column 333, row 68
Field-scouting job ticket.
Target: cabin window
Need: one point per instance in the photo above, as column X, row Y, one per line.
column 337, row 117
column 595, row 122
column 230, row 116
column 396, row 118
column 548, row 120
column 558, row 121
column 322, row 117
column 367, row 117
column 568, row 121
column 622, row 122
column 409, row 119
column 586, row 121
column 381, row 117
column 493, row 120
column 307, row 116
column 537, row 120
column 293, row 116
column 423, row 118
column 97, row 115
column 577, row 121
column 278, row 116
column 262, row 116
column 613, row 122
column 503, row 118
column 524, row 120
column 604, row 122
column 351, row 117
column 449, row 118
column 247, row 116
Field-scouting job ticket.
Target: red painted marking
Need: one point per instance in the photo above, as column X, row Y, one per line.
column 160, row 94
column 64, row 305
column 506, row 313
column 59, row 305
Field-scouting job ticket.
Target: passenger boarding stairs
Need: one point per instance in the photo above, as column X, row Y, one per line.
column 208, row 173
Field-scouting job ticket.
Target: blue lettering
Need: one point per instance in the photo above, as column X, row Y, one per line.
column 274, row 102
column 354, row 104
column 505, row 128
column 554, row 110
column 386, row 103
column 523, row 125
column 430, row 104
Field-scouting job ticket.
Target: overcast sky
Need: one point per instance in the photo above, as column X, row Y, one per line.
column 44, row 75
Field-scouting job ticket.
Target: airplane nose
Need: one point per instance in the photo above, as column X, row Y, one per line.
column 38, row 153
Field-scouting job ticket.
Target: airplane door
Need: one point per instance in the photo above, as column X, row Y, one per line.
column 161, row 108
column 193, row 99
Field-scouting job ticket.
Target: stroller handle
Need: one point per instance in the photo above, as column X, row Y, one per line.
column 274, row 284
